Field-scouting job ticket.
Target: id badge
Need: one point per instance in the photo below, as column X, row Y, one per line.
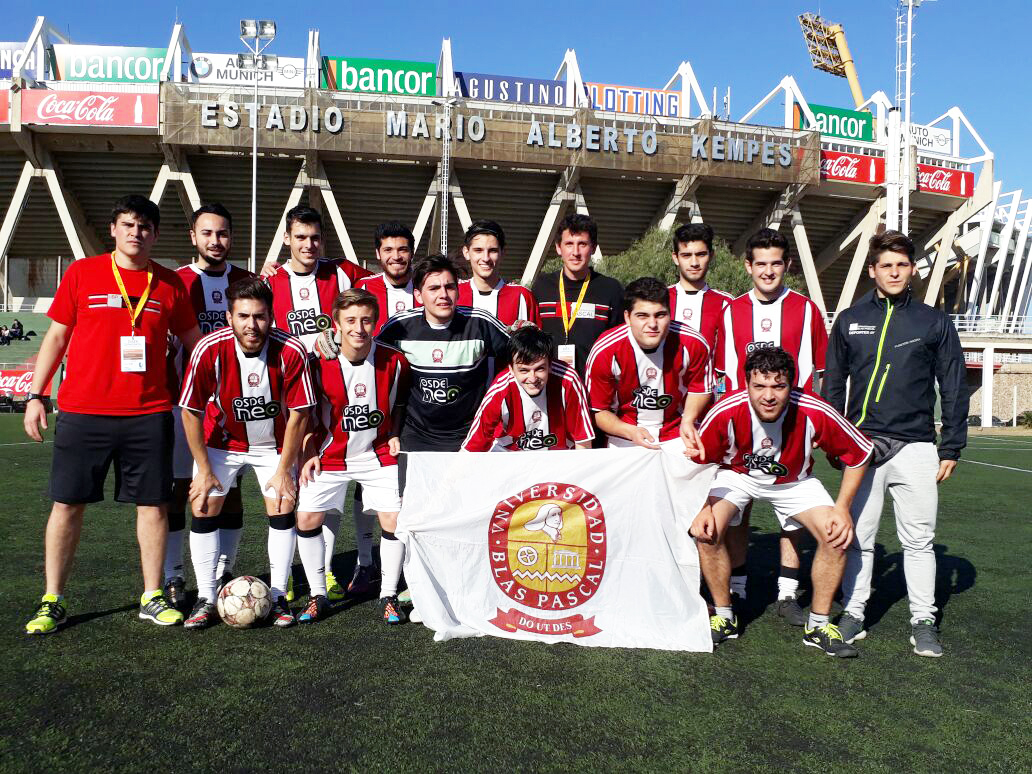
column 568, row 354
column 134, row 354
column 586, row 312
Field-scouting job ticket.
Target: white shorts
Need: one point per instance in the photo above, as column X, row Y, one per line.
column 740, row 489
column 227, row 465
column 327, row 492
column 182, row 459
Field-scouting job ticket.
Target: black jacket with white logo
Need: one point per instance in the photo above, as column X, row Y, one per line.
column 893, row 352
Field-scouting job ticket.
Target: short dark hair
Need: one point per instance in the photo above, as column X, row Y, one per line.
column 302, row 214
column 693, row 232
column 488, row 227
column 393, row 228
column 893, row 241
column 137, row 205
column 646, row 289
column 764, row 238
column 211, row 209
column 356, row 297
column 251, row 288
column 431, row 265
column 770, row 360
column 577, row 224
column 529, row 344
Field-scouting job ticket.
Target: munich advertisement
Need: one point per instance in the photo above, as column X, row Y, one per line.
column 222, row 69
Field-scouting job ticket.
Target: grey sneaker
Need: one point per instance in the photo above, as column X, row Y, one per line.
column 789, row 609
column 925, row 638
column 851, row 628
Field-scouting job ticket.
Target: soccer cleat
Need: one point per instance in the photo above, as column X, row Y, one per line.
column 154, row 607
column 405, row 597
column 281, row 615
column 723, row 629
column 175, row 592
column 789, row 609
column 49, row 616
column 226, row 578
column 390, row 610
column 202, row 616
column 364, row 580
column 316, row 609
column 829, row 639
column 851, row 628
column 290, row 588
column 334, row 591
column 925, row 638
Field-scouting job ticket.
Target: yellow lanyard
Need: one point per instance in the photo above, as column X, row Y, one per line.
column 133, row 313
column 569, row 319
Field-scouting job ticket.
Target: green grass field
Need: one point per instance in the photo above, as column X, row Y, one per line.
column 114, row 694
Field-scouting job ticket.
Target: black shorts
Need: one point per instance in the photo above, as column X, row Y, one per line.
column 85, row 445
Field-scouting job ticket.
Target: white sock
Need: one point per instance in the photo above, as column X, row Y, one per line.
column 392, row 555
column 330, row 530
column 310, row 546
column 787, row 587
column 282, row 540
column 174, row 554
column 724, row 612
column 204, row 553
column 816, row 620
column 363, row 533
column 229, row 542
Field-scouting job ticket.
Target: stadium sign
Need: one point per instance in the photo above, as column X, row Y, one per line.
column 839, row 122
column 379, row 76
column 222, row 69
column 943, row 180
column 16, row 382
column 5, row 107
column 852, row 168
column 932, row 139
column 108, row 64
column 13, row 53
column 283, row 118
column 633, row 99
column 89, row 108
column 510, row 88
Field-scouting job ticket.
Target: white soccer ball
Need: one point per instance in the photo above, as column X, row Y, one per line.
column 244, row 601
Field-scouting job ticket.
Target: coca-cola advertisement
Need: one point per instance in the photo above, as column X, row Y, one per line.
column 949, row 182
column 15, row 383
column 89, row 108
column 5, row 107
column 852, row 168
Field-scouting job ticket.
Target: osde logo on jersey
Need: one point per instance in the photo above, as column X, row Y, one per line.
column 535, row 439
column 358, row 418
column 650, row 398
column 254, row 409
column 209, row 321
column 437, row 390
column 303, row 321
column 764, row 463
column 752, row 346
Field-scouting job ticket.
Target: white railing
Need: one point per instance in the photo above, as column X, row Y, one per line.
column 1012, row 324
column 999, row 358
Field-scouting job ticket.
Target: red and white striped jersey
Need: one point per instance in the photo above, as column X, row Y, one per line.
column 702, row 310
column 302, row 304
column 391, row 299
column 355, row 406
column 792, row 322
column 245, row 397
column 781, row 451
column 510, row 419
column 648, row 389
column 508, row 303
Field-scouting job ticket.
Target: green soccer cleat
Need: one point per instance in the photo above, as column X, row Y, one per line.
column 334, row 591
column 290, row 588
column 49, row 617
column 723, row 629
column 829, row 639
column 154, row 607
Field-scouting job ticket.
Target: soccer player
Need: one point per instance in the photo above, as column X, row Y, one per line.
column 246, row 396
column 577, row 304
column 649, row 380
column 394, row 245
column 770, row 315
column 304, row 289
column 763, row 437
column 893, row 349
column 206, row 281
column 484, row 248
column 361, row 408
column 112, row 314
column 692, row 302
column 535, row 403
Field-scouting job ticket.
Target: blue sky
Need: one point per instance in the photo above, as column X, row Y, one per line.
column 965, row 54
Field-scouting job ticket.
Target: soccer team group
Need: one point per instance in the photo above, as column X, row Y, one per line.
column 319, row 374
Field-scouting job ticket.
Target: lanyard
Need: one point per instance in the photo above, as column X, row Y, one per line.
column 133, row 313
column 568, row 319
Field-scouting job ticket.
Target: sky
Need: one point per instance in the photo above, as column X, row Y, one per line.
column 966, row 53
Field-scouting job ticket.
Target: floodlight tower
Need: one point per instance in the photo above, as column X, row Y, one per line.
column 904, row 71
column 257, row 35
column 829, row 51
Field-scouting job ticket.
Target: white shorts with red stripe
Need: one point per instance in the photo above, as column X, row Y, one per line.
column 227, row 465
column 327, row 492
column 740, row 489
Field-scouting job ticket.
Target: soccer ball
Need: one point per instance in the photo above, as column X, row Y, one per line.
column 244, row 601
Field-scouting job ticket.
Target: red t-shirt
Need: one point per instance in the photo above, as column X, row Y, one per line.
column 390, row 299
column 89, row 302
column 508, row 303
column 302, row 304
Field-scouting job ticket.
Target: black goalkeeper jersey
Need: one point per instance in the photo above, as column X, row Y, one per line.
column 451, row 369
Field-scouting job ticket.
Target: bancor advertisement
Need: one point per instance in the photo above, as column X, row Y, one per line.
column 108, row 64
column 839, row 122
column 379, row 76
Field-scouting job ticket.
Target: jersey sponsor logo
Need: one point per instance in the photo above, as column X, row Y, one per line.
column 651, row 373
column 360, row 390
column 358, row 418
column 216, row 296
column 752, row 346
column 303, row 293
column 253, row 380
column 547, row 548
column 437, row 390
column 535, row 415
column 858, row 329
column 687, row 314
column 535, row 440
column 766, row 324
column 212, row 320
column 399, row 306
column 254, row 409
column 765, row 463
column 766, row 443
column 650, row 398
column 303, row 321
column 438, row 356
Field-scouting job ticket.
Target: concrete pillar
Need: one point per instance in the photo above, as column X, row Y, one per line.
column 988, row 356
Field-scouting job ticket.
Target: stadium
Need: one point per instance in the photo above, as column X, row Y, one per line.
column 437, row 145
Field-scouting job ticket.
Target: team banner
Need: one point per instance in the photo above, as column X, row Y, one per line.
column 587, row 547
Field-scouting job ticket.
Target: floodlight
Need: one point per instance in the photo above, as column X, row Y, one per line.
column 266, row 29
column 248, row 28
